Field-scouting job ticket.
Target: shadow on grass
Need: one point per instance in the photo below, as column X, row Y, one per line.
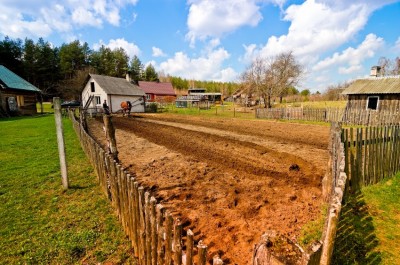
column 356, row 241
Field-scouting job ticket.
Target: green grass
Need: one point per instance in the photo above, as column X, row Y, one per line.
column 41, row 223
column 312, row 231
column 228, row 110
column 314, row 104
column 369, row 227
column 47, row 107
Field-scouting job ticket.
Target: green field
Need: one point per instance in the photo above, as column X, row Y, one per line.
column 41, row 223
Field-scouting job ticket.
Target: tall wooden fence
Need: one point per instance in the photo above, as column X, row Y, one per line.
column 372, row 154
column 345, row 116
column 157, row 237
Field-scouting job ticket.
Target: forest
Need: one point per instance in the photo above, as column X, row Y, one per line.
column 61, row 71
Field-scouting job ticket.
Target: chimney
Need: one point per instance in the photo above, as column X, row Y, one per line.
column 375, row 71
column 128, row 77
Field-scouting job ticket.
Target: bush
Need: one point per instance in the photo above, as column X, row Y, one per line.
column 152, row 107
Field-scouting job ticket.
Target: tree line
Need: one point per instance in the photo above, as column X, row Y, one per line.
column 62, row 70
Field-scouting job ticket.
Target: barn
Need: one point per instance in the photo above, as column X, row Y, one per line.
column 161, row 92
column 98, row 88
column 17, row 96
column 373, row 99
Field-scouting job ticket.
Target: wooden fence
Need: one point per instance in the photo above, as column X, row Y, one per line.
column 372, row 154
column 307, row 114
column 345, row 116
column 157, row 237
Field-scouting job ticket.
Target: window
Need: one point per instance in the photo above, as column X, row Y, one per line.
column 92, row 86
column 148, row 96
column 20, row 101
column 372, row 103
column 97, row 100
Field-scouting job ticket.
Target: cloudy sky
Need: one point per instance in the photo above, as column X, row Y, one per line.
column 336, row 40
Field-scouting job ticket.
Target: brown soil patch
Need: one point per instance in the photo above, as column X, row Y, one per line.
column 228, row 180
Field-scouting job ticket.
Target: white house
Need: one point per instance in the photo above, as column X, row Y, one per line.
column 113, row 89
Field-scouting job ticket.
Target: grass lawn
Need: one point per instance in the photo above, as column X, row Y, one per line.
column 369, row 227
column 41, row 223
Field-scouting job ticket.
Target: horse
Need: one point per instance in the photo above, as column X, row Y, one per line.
column 126, row 107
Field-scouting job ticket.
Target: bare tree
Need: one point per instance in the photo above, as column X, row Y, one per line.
column 273, row 76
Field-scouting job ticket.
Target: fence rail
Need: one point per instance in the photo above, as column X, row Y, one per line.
column 346, row 116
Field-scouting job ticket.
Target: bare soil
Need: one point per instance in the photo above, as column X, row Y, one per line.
column 228, row 180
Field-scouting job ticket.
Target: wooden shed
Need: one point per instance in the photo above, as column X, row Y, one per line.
column 17, row 96
column 374, row 99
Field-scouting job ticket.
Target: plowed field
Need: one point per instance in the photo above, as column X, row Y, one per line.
column 228, row 180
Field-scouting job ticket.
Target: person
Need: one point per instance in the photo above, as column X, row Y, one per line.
column 129, row 107
column 105, row 107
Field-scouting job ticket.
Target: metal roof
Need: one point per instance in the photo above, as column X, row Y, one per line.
column 13, row 81
column 375, row 85
column 158, row 88
column 117, row 86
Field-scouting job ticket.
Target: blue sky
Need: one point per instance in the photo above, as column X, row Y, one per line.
column 336, row 40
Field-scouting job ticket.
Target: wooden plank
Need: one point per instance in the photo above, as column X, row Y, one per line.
column 189, row 247
column 178, row 243
column 168, row 239
column 142, row 234
column 148, row 227
column 202, row 253
column 133, row 217
column 160, row 234
column 365, row 160
column 153, row 230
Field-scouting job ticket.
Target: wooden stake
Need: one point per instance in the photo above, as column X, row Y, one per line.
column 189, row 248
column 60, row 142
column 110, row 134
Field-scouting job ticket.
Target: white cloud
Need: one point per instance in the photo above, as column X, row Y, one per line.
column 210, row 18
column 40, row 18
column 83, row 17
column 157, row 52
column 311, row 32
column 352, row 57
column 208, row 67
column 130, row 48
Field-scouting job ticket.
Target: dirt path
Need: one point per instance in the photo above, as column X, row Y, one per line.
column 227, row 180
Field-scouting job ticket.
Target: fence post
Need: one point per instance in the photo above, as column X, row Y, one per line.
column 202, row 253
column 60, row 142
column 110, row 134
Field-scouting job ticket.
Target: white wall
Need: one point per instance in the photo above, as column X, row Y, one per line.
column 116, row 100
column 98, row 92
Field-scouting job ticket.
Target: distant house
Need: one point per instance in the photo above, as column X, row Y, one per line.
column 374, row 93
column 374, row 100
column 16, row 94
column 158, row 91
column 115, row 90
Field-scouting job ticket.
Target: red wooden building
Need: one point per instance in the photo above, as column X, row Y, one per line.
column 161, row 92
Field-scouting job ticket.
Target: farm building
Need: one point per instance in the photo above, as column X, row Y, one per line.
column 115, row 90
column 161, row 92
column 198, row 97
column 17, row 96
column 373, row 98
column 377, row 93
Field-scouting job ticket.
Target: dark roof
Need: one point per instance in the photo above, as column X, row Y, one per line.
column 375, row 85
column 117, row 86
column 158, row 88
column 14, row 81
